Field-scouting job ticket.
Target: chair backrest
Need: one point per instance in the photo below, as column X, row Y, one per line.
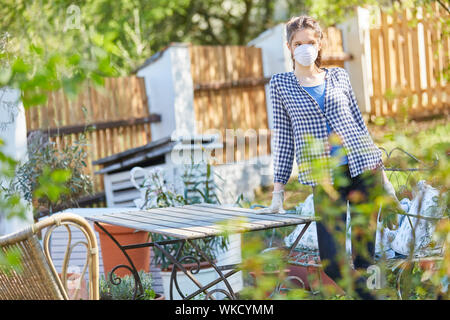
column 404, row 170
column 36, row 277
column 32, row 279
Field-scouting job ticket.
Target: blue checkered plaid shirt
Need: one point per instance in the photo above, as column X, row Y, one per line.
column 296, row 115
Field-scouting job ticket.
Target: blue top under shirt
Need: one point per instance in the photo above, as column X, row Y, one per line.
column 318, row 93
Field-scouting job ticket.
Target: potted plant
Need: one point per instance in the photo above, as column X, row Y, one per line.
column 198, row 188
column 267, row 270
column 112, row 256
column 52, row 178
column 125, row 288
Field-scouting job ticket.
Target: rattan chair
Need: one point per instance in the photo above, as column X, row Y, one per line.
column 36, row 277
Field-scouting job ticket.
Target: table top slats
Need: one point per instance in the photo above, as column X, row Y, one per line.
column 226, row 215
column 248, row 213
column 144, row 227
column 167, row 224
column 198, row 220
column 155, row 218
column 218, row 217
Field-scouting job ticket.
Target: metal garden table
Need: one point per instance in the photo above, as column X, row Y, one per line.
column 186, row 224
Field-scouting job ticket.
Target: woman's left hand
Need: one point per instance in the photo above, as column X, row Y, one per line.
column 392, row 207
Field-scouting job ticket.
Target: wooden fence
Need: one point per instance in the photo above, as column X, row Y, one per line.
column 229, row 90
column 408, row 62
column 117, row 117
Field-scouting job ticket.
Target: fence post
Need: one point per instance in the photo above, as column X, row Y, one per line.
column 169, row 88
column 13, row 132
column 356, row 41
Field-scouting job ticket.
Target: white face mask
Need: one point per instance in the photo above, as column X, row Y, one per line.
column 305, row 54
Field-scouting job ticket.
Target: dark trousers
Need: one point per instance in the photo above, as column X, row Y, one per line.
column 331, row 209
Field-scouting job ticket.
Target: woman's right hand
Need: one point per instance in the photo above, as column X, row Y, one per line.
column 276, row 206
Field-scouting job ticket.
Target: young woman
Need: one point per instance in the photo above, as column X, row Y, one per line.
column 316, row 102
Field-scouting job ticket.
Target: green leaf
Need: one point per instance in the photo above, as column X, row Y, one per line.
column 74, row 59
column 19, row 66
column 5, row 75
column 33, row 99
column 60, row 175
column 36, row 49
column 70, row 87
column 97, row 79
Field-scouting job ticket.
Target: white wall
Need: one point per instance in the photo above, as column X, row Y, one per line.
column 356, row 41
column 13, row 131
column 170, row 91
column 244, row 177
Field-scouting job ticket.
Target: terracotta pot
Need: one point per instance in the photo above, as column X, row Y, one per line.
column 312, row 277
column 276, row 273
column 427, row 264
column 160, row 297
column 113, row 256
column 74, row 285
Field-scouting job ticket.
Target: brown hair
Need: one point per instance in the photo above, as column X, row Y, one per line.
column 299, row 23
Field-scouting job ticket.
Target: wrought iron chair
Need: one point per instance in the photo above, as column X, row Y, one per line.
column 36, row 277
column 403, row 181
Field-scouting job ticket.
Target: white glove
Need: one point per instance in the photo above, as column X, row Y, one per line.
column 276, row 205
column 389, row 188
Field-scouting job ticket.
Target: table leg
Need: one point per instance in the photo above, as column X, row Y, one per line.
column 230, row 293
column 279, row 286
column 177, row 262
column 294, row 245
column 131, row 267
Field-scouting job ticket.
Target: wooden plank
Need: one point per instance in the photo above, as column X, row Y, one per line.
column 396, row 57
column 237, row 224
column 207, row 215
column 171, row 232
column 185, row 233
column 416, row 68
column 438, row 62
column 259, row 223
column 183, row 220
column 215, row 213
column 73, row 129
column 126, row 153
column 375, row 99
column 445, row 87
column 218, row 85
column 248, row 213
column 387, row 58
column 428, row 32
column 406, row 55
column 165, row 223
